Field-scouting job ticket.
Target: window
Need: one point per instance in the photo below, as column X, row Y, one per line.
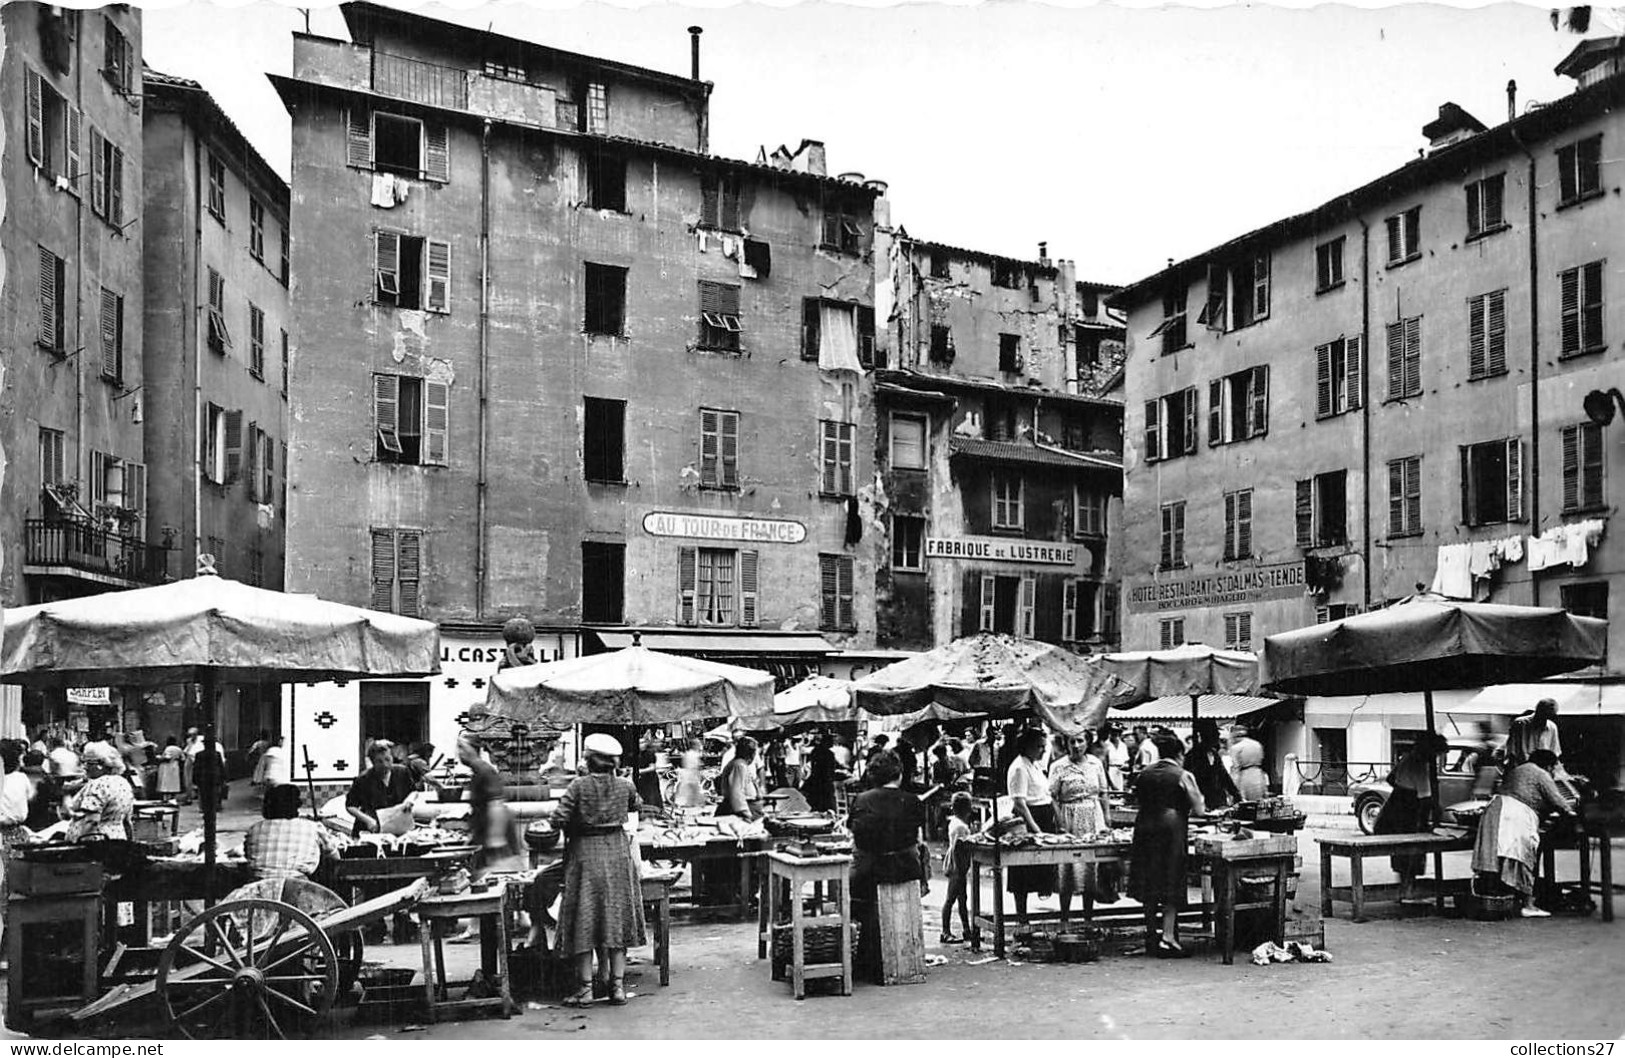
column 835, row 592
column 720, row 325
column 1321, row 510
column 719, row 449
column 836, row 458
column 106, row 179
column 1010, row 361
column 1081, row 602
column 253, row 449
column 1586, row 598
column 411, row 272
column 220, row 444
column 267, row 467
column 606, row 180
column 504, row 71
column 1336, row 611
column 217, row 188
column 397, row 562
column 1238, row 294
column 1579, row 170
column 1582, row 467
column 1173, row 536
column 719, row 201
column 942, row 343
column 256, row 230
column 1008, row 496
column 393, row 143
column 118, row 58
column 907, row 442
column 1003, row 420
column 840, row 231
column 1405, row 358
column 1487, row 335
column 603, row 439
column 1405, row 236
column 1485, row 205
column 53, row 468
column 256, row 342
column 1329, row 265
column 1492, row 482
column 908, row 543
column 219, row 333
column 1172, row 328
column 1238, row 525
column 411, row 418
column 1087, row 342
column 54, row 130
column 1007, row 274
column 1170, row 632
column 1405, row 496
column 283, row 274
column 1238, row 406
column 1006, row 604
column 707, row 591
column 838, row 335
column 256, row 566
column 1170, row 425
column 597, row 109
column 1089, row 302
column 940, row 265
column 112, row 331
column 53, row 294
column 1337, row 377
column 1581, row 310
column 603, row 581
column 606, row 300
column 1088, row 512
column 284, row 365
column 1238, row 631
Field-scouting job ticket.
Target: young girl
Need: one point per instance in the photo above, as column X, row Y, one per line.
column 956, row 865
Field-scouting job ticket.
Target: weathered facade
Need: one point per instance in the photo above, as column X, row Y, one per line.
column 552, row 359
column 1000, row 463
column 1386, row 393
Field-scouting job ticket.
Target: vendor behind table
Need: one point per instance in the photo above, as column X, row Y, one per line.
column 382, row 787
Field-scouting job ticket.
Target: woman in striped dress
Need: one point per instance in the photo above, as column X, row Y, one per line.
column 602, row 910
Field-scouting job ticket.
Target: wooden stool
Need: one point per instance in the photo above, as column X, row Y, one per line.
column 489, row 907
column 795, row 872
column 902, row 934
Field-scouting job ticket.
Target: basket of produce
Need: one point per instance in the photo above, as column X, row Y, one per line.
column 1486, row 907
column 1076, row 946
column 541, row 836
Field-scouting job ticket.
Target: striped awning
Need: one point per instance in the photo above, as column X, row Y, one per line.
column 1177, row 709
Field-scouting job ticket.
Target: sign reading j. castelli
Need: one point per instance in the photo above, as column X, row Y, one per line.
column 717, row 527
column 1279, row 581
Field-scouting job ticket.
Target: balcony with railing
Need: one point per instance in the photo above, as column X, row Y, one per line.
column 75, row 547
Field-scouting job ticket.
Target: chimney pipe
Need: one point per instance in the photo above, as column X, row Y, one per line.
column 694, row 50
column 1043, row 253
column 1512, row 100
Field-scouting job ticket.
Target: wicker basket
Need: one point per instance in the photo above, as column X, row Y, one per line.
column 823, row 945
column 1078, row 946
column 1486, row 907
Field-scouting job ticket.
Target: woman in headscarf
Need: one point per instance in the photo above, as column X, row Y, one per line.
column 1167, row 796
column 602, row 909
column 1508, row 844
column 105, row 802
column 1030, row 802
column 1077, row 786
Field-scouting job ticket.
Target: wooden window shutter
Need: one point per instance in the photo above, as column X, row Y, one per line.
column 111, row 326
column 436, row 423
column 1026, row 610
column 115, row 185
column 1591, row 464
column 386, row 411
column 1230, row 499
column 1591, row 305
column 1495, row 338
column 1259, row 423
column 358, row 138
column 209, row 440
column 730, row 201
column 251, row 472
column 728, row 422
column 34, row 90
column 1244, row 523
column 387, row 262
column 1215, row 412
column 1571, row 467
column 1570, row 312
column 135, row 493
column 747, row 588
column 383, row 570
column 50, row 312
column 75, row 135
column 1396, row 360
column 687, row 582
column 1475, row 218
column 719, row 298
column 710, row 191
column 1413, row 494
column 828, row 590
column 1467, row 512
column 809, row 328
column 843, row 586
column 234, row 445
column 1475, row 337
column 1193, row 411
column 1396, row 498
column 436, row 154
column 1153, row 431
column 1323, row 379
column 1413, row 356
column 1352, row 368
column 1514, row 479
column 98, row 173
column 408, row 567
column 986, row 608
column 1179, row 534
column 710, row 447
column 98, row 478
column 437, row 252
column 866, row 335
column 1069, row 610
column 1304, row 512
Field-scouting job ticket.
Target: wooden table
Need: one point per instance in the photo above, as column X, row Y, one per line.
column 747, row 852
column 1596, row 834
column 1007, row 856
column 794, row 872
column 1357, row 847
column 490, row 907
column 657, row 899
column 1227, row 871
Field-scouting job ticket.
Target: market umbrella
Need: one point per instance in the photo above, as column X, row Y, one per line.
column 1427, row 643
column 815, row 700
column 1192, row 669
column 206, row 630
column 632, row 687
column 997, row 675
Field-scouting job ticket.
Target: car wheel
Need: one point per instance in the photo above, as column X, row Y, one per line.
column 1366, row 813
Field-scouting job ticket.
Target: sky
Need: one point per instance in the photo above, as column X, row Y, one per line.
column 1121, row 136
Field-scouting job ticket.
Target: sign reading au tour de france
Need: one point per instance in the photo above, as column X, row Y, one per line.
column 1000, row 549
column 1280, row 581
column 717, row 527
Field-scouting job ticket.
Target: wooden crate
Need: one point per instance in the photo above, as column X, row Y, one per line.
column 902, row 934
column 1242, row 848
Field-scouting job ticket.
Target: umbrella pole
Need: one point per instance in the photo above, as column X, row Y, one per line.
column 1195, row 713
column 1433, row 758
column 210, row 796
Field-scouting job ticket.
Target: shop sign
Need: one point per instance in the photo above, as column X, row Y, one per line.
column 89, row 696
column 716, row 527
column 1000, row 549
column 482, row 655
column 1280, row 581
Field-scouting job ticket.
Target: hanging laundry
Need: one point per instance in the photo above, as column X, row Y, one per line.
column 1511, row 548
column 1483, row 558
column 1568, row 545
column 1544, row 553
column 759, row 256
column 745, row 270
column 730, row 246
column 1452, row 576
column 1322, row 575
column 383, row 190
column 704, row 239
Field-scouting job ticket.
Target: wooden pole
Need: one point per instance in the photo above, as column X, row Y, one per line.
column 211, row 756
column 1433, row 758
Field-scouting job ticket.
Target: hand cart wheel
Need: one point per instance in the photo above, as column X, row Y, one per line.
column 248, row 969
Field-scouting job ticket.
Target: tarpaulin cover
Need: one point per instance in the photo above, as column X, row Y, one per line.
column 815, row 700
column 1183, row 670
column 635, row 686
column 1428, row 642
column 997, row 675
column 171, row 633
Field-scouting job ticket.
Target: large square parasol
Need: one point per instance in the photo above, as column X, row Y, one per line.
column 1192, row 669
column 206, row 630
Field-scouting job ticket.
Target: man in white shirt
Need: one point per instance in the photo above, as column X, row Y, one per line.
column 272, row 767
column 1148, row 754
column 63, row 761
column 1116, row 758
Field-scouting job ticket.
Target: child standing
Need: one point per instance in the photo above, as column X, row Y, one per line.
column 956, row 866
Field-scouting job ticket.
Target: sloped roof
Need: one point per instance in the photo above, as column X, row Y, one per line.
column 1027, row 452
